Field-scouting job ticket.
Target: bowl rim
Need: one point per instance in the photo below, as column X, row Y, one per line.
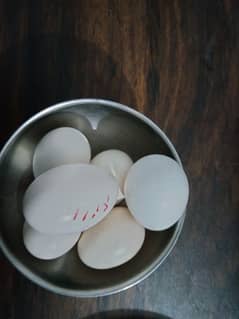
column 136, row 278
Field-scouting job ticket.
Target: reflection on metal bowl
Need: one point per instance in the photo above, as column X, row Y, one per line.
column 107, row 125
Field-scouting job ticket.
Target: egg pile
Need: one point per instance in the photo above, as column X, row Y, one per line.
column 73, row 200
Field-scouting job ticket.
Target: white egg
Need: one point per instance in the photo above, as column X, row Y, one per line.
column 69, row 198
column 47, row 246
column 112, row 242
column 156, row 191
column 117, row 163
column 64, row 145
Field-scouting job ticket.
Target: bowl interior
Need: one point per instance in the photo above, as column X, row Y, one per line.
column 105, row 127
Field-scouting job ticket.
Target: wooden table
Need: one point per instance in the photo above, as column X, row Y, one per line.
column 178, row 63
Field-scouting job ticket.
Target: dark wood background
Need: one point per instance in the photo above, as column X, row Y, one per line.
column 175, row 61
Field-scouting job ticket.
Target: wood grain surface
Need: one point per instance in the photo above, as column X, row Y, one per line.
column 178, row 63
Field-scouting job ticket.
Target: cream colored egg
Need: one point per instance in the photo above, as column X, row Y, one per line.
column 69, row 198
column 117, row 163
column 112, row 242
column 47, row 246
column 64, row 145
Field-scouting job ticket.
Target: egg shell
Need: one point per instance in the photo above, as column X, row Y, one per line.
column 112, row 242
column 156, row 191
column 69, row 198
column 47, row 246
column 117, row 163
column 64, row 145
column 120, row 197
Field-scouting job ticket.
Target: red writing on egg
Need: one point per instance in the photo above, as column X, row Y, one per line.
column 76, row 214
column 85, row 215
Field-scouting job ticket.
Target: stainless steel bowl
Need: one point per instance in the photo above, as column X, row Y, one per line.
column 107, row 125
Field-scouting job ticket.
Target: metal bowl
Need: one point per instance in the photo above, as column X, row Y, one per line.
column 107, row 125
